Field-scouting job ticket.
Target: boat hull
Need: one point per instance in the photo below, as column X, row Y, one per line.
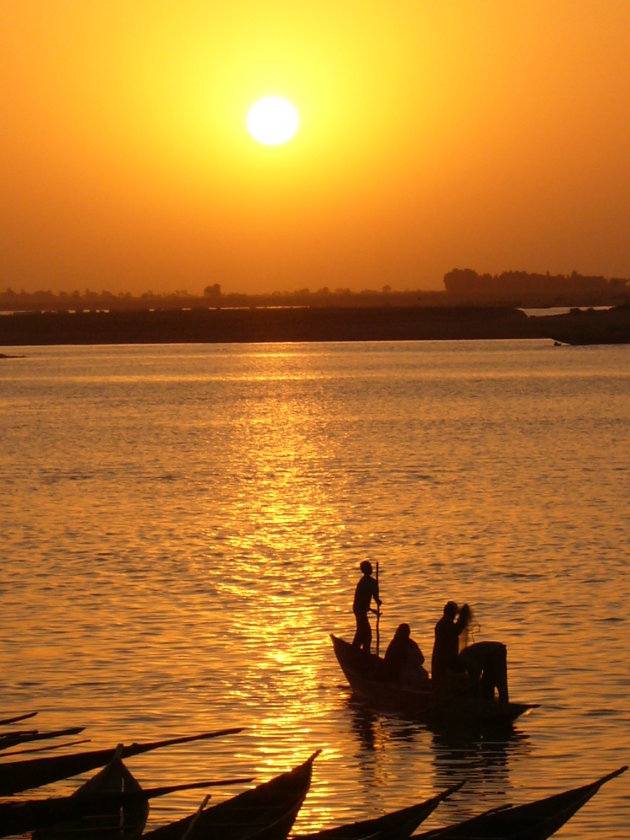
column 532, row 821
column 364, row 673
column 265, row 812
column 395, row 825
column 114, row 820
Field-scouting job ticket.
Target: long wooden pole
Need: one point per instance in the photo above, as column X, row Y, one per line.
column 378, row 617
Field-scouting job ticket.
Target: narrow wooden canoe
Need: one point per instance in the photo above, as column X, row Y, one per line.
column 17, row 718
column 17, row 776
column 531, row 821
column 396, row 825
column 365, row 673
column 111, row 821
column 48, row 748
column 12, row 739
column 22, row 815
column 265, row 812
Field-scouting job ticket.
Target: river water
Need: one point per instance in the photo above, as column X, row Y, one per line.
column 181, row 528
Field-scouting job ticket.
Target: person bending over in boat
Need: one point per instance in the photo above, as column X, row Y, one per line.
column 486, row 664
column 455, row 666
column 404, row 661
column 367, row 589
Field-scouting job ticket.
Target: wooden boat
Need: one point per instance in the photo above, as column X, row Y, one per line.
column 532, row 821
column 265, row 812
column 366, row 675
column 17, row 718
column 396, row 825
column 48, row 747
column 111, row 819
column 20, row 816
column 17, row 776
column 11, row 739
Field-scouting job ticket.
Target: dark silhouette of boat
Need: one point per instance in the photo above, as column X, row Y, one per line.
column 369, row 682
column 17, row 776
column 21, row 815
column 395, row 825
column 265, row 812
column 17, row 718
column 112, row 820
column 22, row 736
column 532, row 821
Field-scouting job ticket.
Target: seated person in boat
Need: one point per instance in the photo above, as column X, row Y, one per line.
column 456, row 666
column 366, row 590
column 404, row 661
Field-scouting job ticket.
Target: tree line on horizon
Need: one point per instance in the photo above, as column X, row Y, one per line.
column 212, row 297
column 461, row 287
column 515, row 286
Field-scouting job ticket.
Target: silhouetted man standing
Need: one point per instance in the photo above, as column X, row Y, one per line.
column 367, row 588
column 444, row 661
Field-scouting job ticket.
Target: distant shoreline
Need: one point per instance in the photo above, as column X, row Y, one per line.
column 260, row 325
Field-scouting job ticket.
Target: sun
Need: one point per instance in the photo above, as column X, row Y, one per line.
column 272, row 121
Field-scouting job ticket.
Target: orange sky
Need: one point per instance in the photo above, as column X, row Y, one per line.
column 481, row 133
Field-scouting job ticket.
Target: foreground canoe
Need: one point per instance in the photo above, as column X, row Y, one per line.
column 12, row 739
column 48, row 748
column 20, row 816
column 17, row 718
column 111, row 821
column 266, row 812
column 365, row 675
column 532, row 821
column 16, row 776
column 396, row 825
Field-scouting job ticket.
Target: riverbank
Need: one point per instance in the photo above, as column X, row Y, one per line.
column 310, row 324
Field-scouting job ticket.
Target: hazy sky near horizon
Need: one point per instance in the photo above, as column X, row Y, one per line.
column 433, row 134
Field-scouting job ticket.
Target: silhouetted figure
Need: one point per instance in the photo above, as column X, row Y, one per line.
column 404, row 661
column 445, row 664
column 484, row 663
column 367, row 588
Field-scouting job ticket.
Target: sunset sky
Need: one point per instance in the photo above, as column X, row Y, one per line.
column 485, row 134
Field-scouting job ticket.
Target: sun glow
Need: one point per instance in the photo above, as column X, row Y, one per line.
column 272, row 121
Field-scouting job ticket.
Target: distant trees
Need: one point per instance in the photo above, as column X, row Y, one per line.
column 212, row 296
column 525, row 288
column 462, row 286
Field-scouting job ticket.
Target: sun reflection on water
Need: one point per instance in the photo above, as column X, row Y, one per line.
column 277, row 559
